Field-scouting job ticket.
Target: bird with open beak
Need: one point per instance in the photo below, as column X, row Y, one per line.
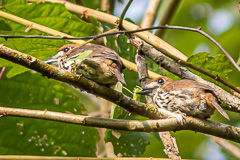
column 96, row 62
column 185, row 96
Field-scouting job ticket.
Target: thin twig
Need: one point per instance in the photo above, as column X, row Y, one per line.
column 150, row 14
column 199, row 30
column 2, row 71
column 167, row 16
column 120, row 22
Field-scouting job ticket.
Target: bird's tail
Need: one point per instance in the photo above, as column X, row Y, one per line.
column 212, row 102
column 119, row 76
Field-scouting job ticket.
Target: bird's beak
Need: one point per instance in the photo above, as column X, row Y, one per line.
column 146, row 90
column 50, row 60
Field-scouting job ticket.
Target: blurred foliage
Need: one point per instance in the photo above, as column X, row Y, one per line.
column 23, row 88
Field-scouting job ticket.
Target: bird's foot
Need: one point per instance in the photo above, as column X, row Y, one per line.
column 181, row 119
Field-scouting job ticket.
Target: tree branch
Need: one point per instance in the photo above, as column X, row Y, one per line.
column 171, row 124
column 167, row 16
column 150, row 14
column 21, row 157
column 182, row 72
column 119, row 124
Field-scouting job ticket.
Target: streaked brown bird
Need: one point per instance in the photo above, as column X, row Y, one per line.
column 185, row 96
column 98, row 63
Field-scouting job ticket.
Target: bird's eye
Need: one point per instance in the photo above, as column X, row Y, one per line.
column 67, row 49
column 161, row 81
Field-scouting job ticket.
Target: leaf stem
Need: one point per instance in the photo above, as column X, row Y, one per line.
column 120, row 22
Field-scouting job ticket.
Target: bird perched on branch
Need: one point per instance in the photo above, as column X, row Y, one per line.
column 96, row 62
column 185, row 96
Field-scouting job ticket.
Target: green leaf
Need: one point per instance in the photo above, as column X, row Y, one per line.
column 217, row 65
column 4, row 26
column 129, row 20
column 53, row 15
column 81, row 56
column 94, row 4
column 13, row 2
column 128, row 144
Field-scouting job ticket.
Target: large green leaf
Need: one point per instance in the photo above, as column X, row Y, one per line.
column 218, row 65
column 53, row 15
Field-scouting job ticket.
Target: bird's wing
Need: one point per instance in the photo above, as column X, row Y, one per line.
column 184, row 83
column 212, row 102
column 111, row 56
column 104, row 52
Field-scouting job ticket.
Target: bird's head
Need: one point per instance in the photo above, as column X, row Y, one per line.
column 155, row 84
column 62, row 51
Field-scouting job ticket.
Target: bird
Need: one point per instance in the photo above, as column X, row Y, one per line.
column 183, row 96
column 96, row 62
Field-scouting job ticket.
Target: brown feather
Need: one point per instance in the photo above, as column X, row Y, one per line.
column 212, row 102
column 184, row 83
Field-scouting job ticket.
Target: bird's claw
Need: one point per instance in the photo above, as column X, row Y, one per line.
column 181, row 117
